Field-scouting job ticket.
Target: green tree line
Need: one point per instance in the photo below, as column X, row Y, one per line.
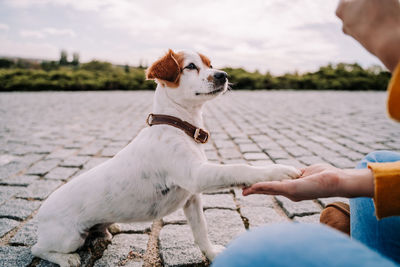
column 25, row 75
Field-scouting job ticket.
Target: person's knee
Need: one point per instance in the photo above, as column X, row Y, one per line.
column 270, row 245
column 378, row 156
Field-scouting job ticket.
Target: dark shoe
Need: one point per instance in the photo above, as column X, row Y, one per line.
column 337, row 215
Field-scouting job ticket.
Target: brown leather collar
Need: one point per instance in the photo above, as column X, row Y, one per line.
column 199, row 135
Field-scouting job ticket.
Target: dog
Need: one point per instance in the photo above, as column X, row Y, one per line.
column 161, row 170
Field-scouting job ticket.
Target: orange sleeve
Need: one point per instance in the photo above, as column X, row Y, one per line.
column 393, row 102
column 387, row 188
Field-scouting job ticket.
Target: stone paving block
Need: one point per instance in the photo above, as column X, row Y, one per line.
column 297, row 151
column 15, row 256
column 44, row 149
column 223, row 225
column 110, row 151
column 302, row 208
column 341, row 162
column 116, row 143
column 75, row 162
column 6, row 225
column 242, row 140
column 61, row 153
column 277, row 154
column 329, row 200
column 310, row 160
column 287, row 143
column 43, row 167
column 26, row 235
column 212, row 155
column 223, row 144
column 230, row 153
column 258, row 216
column 266, row 146
column 117, row 253
column 224, row 201
column 10, row 169
column 254, row 200
column 177, row 217
column 7, row 192
column 290, row 162
column 61, row 173
column 94, row 162
column 91, row 149
column 352, row 155
column 208, row 146
column 246, row 147
column 177, row 246
column 307, row 219
column 21, row 180
column 18, row 209
column 39, row 189
column 220, row 136
column 255, row 156
column 23, row 150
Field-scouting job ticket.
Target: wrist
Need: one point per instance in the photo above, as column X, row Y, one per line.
column 357, row 183
column 386, row 45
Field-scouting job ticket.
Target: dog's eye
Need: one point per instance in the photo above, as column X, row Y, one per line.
column 211, row 66
column 191, row 66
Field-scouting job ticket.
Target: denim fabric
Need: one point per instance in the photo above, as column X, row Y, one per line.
column 383, row 235
column 300, row 245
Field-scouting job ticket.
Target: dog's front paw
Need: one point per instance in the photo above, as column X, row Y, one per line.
column 283, row 172
column 216, row 249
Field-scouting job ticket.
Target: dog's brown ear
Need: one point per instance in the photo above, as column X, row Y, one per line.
column 166, row 68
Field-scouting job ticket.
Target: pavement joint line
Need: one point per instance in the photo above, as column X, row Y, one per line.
column 245, row 220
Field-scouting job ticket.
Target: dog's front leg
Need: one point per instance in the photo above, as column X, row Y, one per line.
column 193, row 210
column 210, row 176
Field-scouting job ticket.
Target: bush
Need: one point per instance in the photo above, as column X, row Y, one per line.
column 97, row 75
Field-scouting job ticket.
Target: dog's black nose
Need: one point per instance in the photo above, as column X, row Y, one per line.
column 220, row 76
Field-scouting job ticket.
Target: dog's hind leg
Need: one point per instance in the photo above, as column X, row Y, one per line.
column 102, row 231
column 193, row 210
column 62, row 259
column 55, row 244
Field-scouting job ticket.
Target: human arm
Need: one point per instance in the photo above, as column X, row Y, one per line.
column 380, row 181
column 320, row 180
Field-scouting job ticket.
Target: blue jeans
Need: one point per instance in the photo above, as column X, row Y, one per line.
column 373, row 243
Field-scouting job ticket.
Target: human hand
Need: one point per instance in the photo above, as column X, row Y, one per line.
column 375, row 24
column 319, row 180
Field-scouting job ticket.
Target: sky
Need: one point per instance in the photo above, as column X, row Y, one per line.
column 276, row 35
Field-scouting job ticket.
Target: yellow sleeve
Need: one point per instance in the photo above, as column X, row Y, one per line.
column 387, row 188
column 393, row 102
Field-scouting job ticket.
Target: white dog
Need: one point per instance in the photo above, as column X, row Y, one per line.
column 161, row 170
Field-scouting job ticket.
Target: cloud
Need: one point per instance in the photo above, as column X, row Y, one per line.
column 4, row 27
column 40, row 34
column 28, row 49
column 266, row 35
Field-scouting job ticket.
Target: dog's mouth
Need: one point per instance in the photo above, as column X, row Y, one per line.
column 216, row 91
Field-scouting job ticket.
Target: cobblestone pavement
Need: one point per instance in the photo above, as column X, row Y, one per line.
column 47, row 138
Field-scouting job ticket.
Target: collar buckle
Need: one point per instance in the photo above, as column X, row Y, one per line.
column 197, row 137
column 149, row 119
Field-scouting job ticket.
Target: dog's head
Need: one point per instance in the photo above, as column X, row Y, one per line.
column 188, row 75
